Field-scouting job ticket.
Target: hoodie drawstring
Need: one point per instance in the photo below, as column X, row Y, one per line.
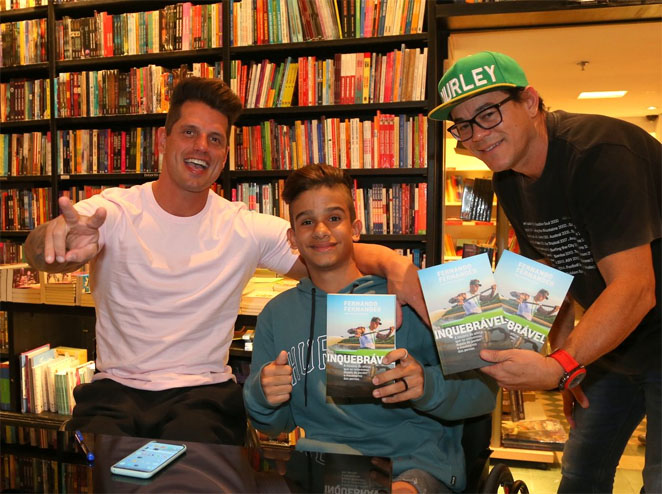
column 310, row 350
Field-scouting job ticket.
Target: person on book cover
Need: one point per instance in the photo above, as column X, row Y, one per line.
column 367, row 339
column 584, row 194
column 416, row 420
column 472, row 303
column 544, row 309
column 476, row 297
column 169, row 261
column 524, row 307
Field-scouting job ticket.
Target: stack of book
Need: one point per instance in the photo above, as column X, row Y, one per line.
column 260, row 289
column 59, row 288
column 49, row 376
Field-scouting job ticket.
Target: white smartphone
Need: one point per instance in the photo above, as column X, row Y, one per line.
column 148, row 459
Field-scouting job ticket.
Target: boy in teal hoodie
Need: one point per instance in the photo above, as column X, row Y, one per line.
column 409, row 420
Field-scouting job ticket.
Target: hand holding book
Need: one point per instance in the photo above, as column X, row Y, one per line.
column 406, row 378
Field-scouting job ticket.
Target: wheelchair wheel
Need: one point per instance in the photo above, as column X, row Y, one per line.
column 500, row 476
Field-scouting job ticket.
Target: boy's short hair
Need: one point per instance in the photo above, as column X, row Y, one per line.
column 315, row 176
column 213, row 92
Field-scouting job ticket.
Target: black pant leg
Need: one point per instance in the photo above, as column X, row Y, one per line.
column 211, row 413
column 104, row 407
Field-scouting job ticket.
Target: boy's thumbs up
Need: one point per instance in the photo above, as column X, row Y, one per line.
column 282, row 358
column 276, row 379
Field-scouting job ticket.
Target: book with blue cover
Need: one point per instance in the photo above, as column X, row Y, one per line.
column 465, row 312
column 531, row 296
column 360, row 332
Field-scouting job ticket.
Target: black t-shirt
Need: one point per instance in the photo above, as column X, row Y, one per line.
column 599, row 193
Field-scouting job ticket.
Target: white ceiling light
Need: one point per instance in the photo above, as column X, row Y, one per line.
column 601, row 94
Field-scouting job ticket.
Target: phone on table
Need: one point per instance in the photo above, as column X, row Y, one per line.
column 148, row 459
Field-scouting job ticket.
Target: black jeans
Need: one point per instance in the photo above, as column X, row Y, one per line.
column 211, row 413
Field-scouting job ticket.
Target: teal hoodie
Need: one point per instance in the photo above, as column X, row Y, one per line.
column 425, row 433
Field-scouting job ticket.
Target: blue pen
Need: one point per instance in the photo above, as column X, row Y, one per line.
column 81, row 442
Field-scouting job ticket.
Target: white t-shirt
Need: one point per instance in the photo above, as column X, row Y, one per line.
column 167, row 288
column 472, row 306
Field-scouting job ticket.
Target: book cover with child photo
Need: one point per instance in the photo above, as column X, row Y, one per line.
column 531, row 296
column 465, row 311
column 360, row 332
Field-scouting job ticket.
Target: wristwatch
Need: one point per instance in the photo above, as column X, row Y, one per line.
column 574, row 372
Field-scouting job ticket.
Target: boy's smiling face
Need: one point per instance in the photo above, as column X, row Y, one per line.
column 322, row 228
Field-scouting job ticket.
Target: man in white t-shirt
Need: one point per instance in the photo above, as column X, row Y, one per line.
column 169, row 260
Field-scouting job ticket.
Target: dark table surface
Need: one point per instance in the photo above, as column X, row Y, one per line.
column 207, row 467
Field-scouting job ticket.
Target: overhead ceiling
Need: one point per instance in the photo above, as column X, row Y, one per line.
column 622, row 56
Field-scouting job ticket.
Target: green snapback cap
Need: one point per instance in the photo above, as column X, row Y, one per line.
column 476, row 74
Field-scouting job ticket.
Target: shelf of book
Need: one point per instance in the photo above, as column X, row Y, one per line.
column 128, row 61
column 383, row 42
column 32, row 179
column 15, row 15
column 251, row 114
column 13, row 126
column 32, row 71
column 63, row 67
column 354, row 172
column 43, row 420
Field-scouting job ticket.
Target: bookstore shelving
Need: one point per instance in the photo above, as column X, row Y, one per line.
column 57, row 136
column 108, row 68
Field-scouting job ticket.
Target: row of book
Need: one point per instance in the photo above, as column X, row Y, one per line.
column 386, row 141
column 181, row 26
column 49, row 376
column 292, row 21
column 25, row 100
column 397, row 209
column 117, row 92
column 21, row 283
column 36, row 437
column 23, row 42
column 11, row 252
column 22, row 473
column 24, row 209
column 25, row 154
column 114, row 91
column 21, row 4
column 108, row 151
column 477, row 200
column 345, row 79
column 78, row 193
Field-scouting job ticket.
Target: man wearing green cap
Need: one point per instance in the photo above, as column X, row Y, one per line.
column 583, row 195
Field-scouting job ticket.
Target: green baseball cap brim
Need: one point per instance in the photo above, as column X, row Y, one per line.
column 474, row 75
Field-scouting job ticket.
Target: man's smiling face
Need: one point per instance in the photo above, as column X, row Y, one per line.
column 196, row 149
column 506, row 146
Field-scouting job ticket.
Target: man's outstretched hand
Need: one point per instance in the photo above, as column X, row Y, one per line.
column 71, row 237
